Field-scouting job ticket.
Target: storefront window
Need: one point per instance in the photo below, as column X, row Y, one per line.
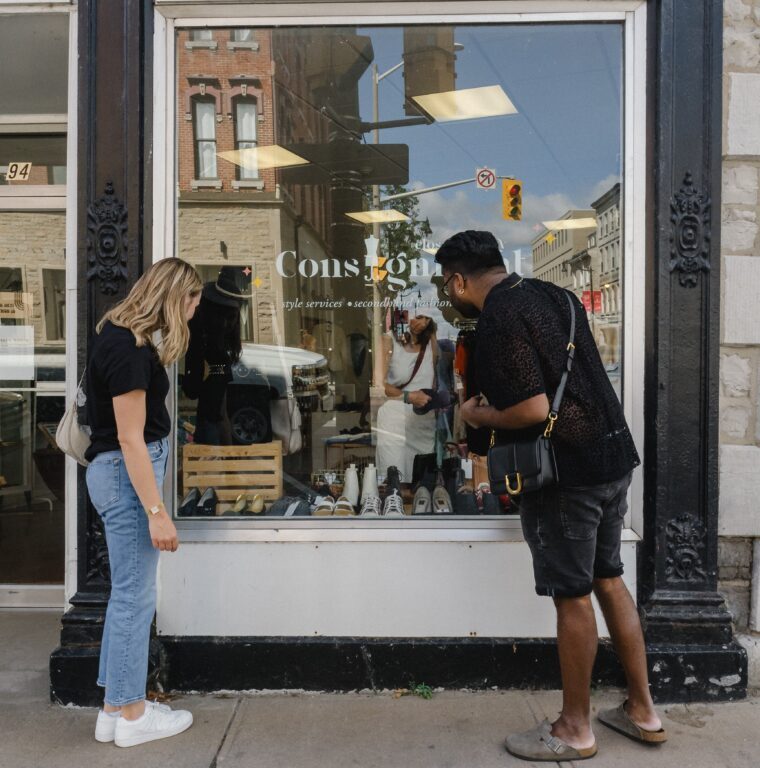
column 34, row 62
column 341, row 159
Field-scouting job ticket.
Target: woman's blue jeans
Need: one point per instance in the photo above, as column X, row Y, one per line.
column 126, row 635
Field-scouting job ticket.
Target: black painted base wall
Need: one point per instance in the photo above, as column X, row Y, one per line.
column 678, row 673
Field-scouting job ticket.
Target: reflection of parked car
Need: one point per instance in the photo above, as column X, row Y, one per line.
column 266, row 372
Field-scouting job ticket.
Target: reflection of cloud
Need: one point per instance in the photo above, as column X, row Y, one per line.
column 470, row 208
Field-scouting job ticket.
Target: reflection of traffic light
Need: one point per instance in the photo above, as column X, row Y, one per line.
column 512, row 199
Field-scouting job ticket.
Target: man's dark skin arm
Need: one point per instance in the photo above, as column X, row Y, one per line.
column 527, row 413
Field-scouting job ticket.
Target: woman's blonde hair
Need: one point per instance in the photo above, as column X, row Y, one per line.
column 157, row 303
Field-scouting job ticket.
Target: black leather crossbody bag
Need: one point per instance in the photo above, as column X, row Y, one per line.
column 525, row 466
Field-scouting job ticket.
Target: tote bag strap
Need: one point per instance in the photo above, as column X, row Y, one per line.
column 417, row 365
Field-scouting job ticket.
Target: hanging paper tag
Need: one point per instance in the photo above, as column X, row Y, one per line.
column 467, row 467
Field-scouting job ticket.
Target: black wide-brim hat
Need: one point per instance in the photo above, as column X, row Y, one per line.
column 232, row 286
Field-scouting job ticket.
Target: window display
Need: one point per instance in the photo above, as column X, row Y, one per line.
column 318, row 170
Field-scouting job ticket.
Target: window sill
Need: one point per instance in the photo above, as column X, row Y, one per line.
column 248, row 45
column 211, row 45
column 506, row 529
column 248, row 184
column 206, row 183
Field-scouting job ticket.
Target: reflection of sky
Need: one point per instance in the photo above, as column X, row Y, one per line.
column 564, row 143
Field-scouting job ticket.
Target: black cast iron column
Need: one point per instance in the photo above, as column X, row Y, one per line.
column 681, row 606
column 113, row 243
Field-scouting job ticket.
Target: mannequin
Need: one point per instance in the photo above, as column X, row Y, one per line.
column 215, row 346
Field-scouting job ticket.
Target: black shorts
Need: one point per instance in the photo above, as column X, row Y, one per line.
column 574, row 535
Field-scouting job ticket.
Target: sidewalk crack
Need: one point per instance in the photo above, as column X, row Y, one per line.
column 213, row 763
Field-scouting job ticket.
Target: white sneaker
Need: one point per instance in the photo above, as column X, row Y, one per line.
column 394, row 505
column 371, row 507
column 156, row 723
column 105, row 727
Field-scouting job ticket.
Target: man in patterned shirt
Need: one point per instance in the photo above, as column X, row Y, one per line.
column 574, row 528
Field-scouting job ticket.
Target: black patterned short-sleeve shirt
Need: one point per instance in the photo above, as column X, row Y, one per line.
column 521, row 352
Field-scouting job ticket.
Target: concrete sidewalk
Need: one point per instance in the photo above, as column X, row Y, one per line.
column 292, row 730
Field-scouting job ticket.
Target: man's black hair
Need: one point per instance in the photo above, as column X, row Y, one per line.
column 470, row 253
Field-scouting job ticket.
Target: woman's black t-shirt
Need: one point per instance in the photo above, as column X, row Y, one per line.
column 117, row 366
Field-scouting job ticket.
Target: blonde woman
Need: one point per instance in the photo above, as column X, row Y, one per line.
column 127, row 386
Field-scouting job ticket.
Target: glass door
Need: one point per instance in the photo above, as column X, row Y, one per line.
column 34, row 50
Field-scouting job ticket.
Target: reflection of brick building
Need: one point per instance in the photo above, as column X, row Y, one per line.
column 224, row 98
column 227, row 214
column 232, row 214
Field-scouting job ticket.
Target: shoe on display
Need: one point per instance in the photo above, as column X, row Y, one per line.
column 289, row 506
column 393, row 480
column 423, row 502
column 492, row 505
column 394, row 505
column 257, row 504
column 325, row 507
column 155, row 723
column 483, row 498
column 441, row 501
column 351, row 485
column 369, row 483
column 207, row 503
column 188, row 505
column 343, row 507
column 371, row 507
column 105, row 727
column 465, row 503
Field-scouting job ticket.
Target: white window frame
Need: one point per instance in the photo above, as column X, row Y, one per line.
column 171, row 14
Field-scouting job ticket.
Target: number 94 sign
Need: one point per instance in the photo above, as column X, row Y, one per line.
column 18, row 172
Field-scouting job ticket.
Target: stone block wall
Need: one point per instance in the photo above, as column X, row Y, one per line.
column 740, row 301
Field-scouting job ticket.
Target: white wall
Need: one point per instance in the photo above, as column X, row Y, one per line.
column 356, row 589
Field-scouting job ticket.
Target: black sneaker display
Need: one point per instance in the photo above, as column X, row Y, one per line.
column 187, row 507
column 207, row 504
column 393, row 481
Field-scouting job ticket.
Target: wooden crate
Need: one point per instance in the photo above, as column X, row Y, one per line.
column 234, row 469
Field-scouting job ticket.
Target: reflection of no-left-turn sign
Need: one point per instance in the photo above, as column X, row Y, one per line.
column 485, row 178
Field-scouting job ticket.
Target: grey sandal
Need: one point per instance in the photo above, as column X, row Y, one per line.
column 540, row 746
column 618, row 720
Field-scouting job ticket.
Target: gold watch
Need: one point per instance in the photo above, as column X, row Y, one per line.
column 151, row 511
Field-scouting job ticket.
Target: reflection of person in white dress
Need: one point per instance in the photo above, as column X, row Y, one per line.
column 401, row 433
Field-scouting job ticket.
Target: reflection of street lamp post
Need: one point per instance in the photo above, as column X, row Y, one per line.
column 377, row 78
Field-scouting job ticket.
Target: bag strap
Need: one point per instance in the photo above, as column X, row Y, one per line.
column 554, row 412
column 417, row 365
